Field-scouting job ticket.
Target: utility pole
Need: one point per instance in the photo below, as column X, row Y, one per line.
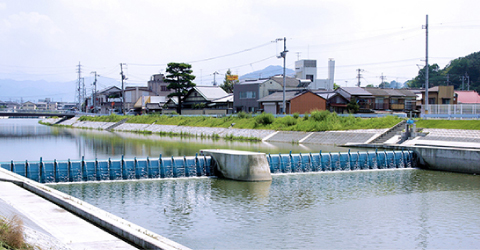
column 84, row 93
column 448, row 79
column 382, row 77
column 123, row 90
column 214, row 78
column 79, row 86
column 283, row 55
column 359, row 76
column 95, row 92
column 426, row 66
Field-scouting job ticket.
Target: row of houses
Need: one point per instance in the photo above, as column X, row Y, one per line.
column 266, row 95
column 41, row 105
column 261, row 95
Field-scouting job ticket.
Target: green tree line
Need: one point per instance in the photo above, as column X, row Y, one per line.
column 464, row 68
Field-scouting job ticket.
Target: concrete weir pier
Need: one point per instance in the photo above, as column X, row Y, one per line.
column 460, row 160
column 240, row 165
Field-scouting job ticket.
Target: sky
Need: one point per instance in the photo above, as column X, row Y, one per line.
column 48, row 39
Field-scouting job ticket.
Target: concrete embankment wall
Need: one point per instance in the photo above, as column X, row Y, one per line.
column 323, row 137
column 449, row 159
column 129, row 232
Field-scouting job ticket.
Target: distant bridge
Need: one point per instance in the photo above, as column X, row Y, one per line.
column 37, row 113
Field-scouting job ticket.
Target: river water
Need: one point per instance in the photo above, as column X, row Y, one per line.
column 406, row 208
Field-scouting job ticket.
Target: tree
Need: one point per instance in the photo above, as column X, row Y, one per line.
column 228, row 82
column 384, row 85
column 353, row 106
column 179, row 78
column 435, row 77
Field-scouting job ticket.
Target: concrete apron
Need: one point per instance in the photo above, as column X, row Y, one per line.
column 240, row 165
column 47, row 208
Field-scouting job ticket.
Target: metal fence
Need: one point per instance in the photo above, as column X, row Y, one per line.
column 452, row 111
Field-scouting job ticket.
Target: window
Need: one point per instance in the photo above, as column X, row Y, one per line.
column 248, row 95
column 431, row 101
column 164, row 88
column 445, row 100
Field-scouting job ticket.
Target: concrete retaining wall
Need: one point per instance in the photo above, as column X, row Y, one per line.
column 449, row 159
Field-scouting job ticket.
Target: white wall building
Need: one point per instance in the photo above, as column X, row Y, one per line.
column 307, row 69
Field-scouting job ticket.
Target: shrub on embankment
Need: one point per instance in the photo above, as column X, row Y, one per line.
column 316, row 121
column 11, row 234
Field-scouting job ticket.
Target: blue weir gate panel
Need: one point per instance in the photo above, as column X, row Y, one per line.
column 199, row 165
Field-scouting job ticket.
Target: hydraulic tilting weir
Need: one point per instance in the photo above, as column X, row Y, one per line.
column 200, row 165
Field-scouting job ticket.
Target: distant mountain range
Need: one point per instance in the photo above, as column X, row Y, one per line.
column 268, row 72
column 30, row 90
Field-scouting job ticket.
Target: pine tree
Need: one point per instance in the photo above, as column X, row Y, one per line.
column 179, row 78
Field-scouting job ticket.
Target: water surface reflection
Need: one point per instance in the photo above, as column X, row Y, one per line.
column 379, row 209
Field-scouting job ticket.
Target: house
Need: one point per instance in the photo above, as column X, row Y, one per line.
column 335, row 102
column 107, row 100
column 246, row 93
column 133, row 93
column 296, row 101
column 467, row 97
column 440, row 95
column 149, row 104
column 208, row 100
column 375, row 99
column 393, row 99
column 46, row 106
column 365, row 99
column 158, row 86
column 29, row 106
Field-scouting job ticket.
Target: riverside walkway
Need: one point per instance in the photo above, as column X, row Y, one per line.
column 48, row 225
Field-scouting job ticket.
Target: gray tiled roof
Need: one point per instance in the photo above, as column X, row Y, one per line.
column 356, row 91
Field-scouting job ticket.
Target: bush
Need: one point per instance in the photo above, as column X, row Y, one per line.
column 296, row 115
column 11, row 233
column 264, row 119
column 320, row 115
column 243, row 115
column 288, row 121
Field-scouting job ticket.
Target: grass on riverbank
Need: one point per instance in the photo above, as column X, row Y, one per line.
column 11, row 234
column 449, row 124
column 316, row 121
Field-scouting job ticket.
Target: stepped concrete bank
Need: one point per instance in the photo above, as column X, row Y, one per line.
column 50, row 214
column 323, row 137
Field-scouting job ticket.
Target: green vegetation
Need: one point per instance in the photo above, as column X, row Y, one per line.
column 11, row 234
column 179, row 78
column 454, row 72
column 316, row 121
column 108, row 118
column 449, row 124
